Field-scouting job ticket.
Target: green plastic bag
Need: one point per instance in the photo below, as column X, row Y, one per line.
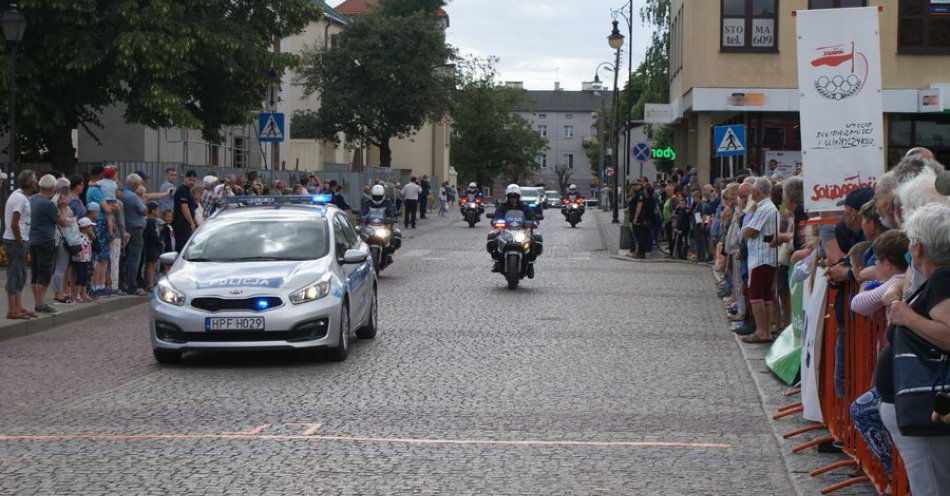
column 785, row 354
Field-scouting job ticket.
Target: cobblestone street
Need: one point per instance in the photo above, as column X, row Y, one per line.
column 597, row 377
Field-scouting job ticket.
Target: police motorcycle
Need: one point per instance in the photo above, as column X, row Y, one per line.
column 513, row 244
column 573, row 206
column 470, row 203
column 377, row 228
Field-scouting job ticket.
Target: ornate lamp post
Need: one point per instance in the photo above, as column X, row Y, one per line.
column 14, row 25
column 615, row 40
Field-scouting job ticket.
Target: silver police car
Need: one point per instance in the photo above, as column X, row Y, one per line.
column 267, row 273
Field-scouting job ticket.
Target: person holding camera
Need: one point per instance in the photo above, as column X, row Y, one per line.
column 762, row 259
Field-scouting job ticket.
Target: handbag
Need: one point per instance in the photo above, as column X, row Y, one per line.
column 921, row 369
column 71, row 248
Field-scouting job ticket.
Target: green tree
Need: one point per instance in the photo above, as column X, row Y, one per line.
column 389, row 75
column 651, row 81
column 489, row 139
column 192, row 63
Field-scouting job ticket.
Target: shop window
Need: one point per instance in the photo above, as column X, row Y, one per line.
column 749, row 26
column 932, row 134
column 836, row 4
column 921, row 31
column 900, row 132
column 774, row 138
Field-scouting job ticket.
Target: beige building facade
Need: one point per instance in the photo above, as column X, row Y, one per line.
column 735, row 62
column 424, row 153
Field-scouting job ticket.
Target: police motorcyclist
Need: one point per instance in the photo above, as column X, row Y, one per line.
column 571, row 197
column 513, row 202
column 376, row 202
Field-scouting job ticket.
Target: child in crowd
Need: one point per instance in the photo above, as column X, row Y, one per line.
column 82, row 261
column 154, row 246
column 167, row 233
column 889, row 249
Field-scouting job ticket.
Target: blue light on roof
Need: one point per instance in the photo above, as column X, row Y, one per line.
column 322, row 198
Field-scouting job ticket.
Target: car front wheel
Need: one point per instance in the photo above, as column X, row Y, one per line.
column 342, row 349
column 166, row 357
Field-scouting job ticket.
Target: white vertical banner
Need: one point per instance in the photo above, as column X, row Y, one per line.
column 842, row 109
column 813, row 324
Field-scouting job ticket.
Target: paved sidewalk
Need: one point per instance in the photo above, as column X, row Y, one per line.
column 610, row 236
column 67, row 313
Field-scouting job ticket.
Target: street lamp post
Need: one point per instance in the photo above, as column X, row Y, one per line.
column 602, row 124
column 626, row 12
column 615, row 40
column 14, row 25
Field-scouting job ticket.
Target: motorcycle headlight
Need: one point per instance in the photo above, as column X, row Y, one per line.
column 311, row 293
column 166, row 293
column 521, row 237
column 382, row 234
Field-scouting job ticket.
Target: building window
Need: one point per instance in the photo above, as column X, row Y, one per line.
column 749, row 26
column 569, row 160
column 542, row 116
column 836, row 4
column 568, row 131
column 676, row 44
column 568, row 116
column 239, row 159
column 921, row 31
column 542, row 161
column 543, row 130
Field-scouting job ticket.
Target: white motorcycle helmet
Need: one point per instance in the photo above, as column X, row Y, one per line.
column 378, row 194
column 472, row 187
column 513, row 190
column 572, row 189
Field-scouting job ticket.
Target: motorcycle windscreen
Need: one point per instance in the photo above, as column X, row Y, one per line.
column 376, row 215
column 514, row 217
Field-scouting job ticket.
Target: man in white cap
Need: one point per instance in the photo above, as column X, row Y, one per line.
column 207, row 198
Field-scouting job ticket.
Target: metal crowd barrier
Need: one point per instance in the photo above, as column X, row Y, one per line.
column 864, row 338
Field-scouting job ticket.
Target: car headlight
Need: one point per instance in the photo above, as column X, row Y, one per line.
column 310, row 293
column 521, row 237
column 166, row 293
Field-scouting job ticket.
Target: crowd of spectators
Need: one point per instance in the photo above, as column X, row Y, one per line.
column 889, row 255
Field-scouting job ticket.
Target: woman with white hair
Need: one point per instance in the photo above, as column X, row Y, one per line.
column 927, row 315
column 66, row 236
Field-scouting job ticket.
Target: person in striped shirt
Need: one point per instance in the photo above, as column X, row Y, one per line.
column 889, row 251
column 762, row 258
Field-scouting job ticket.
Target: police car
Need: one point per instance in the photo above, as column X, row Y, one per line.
column 266, row 273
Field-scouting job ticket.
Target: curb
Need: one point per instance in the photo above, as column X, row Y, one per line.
column 747, row 357
column 27, row 327
column 660, row 261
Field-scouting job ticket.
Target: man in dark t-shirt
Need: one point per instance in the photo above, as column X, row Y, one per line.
column 183, row 220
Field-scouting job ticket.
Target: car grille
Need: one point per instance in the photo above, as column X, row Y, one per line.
column 254, row 304
column 305, row 331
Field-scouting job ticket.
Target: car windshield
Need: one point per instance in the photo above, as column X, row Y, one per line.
column 551, row 194
column 530, row 193
column 259, row 240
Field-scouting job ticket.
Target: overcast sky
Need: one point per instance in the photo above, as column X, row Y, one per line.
column 536, row 39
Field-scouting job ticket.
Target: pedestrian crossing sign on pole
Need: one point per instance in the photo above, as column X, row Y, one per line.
column 729, row 140
column 270, row 127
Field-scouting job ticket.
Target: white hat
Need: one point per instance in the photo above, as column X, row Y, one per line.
column 209, row 181
column 86, row 222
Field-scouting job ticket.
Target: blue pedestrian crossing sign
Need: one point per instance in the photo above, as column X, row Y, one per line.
column 270, row 128
column 641, row 152
column 729, row 140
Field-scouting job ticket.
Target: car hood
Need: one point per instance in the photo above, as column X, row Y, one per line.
column 250, row 277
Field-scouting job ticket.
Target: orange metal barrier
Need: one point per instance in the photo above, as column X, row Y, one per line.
column 864, row 338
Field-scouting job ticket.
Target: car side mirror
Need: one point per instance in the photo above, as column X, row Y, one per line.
column 354, row 257
column 168, row 258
